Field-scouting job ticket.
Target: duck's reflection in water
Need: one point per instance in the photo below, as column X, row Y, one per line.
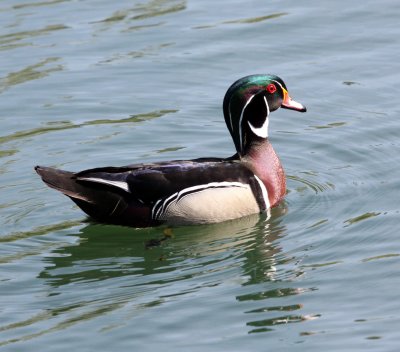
column 111, row 267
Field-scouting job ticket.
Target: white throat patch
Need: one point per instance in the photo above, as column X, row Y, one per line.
column 263, row 130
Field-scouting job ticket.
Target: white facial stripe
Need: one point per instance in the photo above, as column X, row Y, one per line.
column 263, row 130
column 278, row 83
column 120, row 184
column 264, row 192
column 161, row 206
column 230, row 115
column 240, row 120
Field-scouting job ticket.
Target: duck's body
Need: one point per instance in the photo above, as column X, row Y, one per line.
column 199, row 191
column 178, row 192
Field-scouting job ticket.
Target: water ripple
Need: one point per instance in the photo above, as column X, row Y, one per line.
column 147, row 51
column 274, row 312
column 37, row 4
column 65, row 125
column 41, row 230
column 10, row 41
column 250, row 20
column 152, row 8
column 309, row 183
column 361, row 217
column 264, row 325
column 29, row 73
column 157, row 8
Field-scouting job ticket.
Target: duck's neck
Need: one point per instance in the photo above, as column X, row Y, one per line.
column 260, row 157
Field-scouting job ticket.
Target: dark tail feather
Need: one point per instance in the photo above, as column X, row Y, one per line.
column 99, row 203
column 63, row 181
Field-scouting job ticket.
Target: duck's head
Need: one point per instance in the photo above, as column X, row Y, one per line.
column 248, row 103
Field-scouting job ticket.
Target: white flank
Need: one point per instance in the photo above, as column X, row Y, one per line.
column 264, row 192
column 120, row 184
column 162, row 208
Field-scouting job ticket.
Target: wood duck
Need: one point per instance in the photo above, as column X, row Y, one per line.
column 198, row 191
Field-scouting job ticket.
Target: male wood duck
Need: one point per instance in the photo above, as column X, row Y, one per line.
column 199, row 191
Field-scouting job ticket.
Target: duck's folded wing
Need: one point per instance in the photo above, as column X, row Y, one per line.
column 151, row 183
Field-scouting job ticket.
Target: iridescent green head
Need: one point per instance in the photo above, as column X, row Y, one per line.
column 248, row 103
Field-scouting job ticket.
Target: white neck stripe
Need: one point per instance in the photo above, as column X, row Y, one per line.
column 264, row 192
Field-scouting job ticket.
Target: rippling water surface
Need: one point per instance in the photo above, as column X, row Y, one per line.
column 93, row 83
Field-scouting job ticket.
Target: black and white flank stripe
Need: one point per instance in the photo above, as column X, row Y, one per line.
column 212, row 202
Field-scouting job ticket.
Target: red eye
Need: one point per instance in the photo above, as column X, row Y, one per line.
column 271, row 88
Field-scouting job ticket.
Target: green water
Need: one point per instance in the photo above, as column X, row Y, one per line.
column 96, row 83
